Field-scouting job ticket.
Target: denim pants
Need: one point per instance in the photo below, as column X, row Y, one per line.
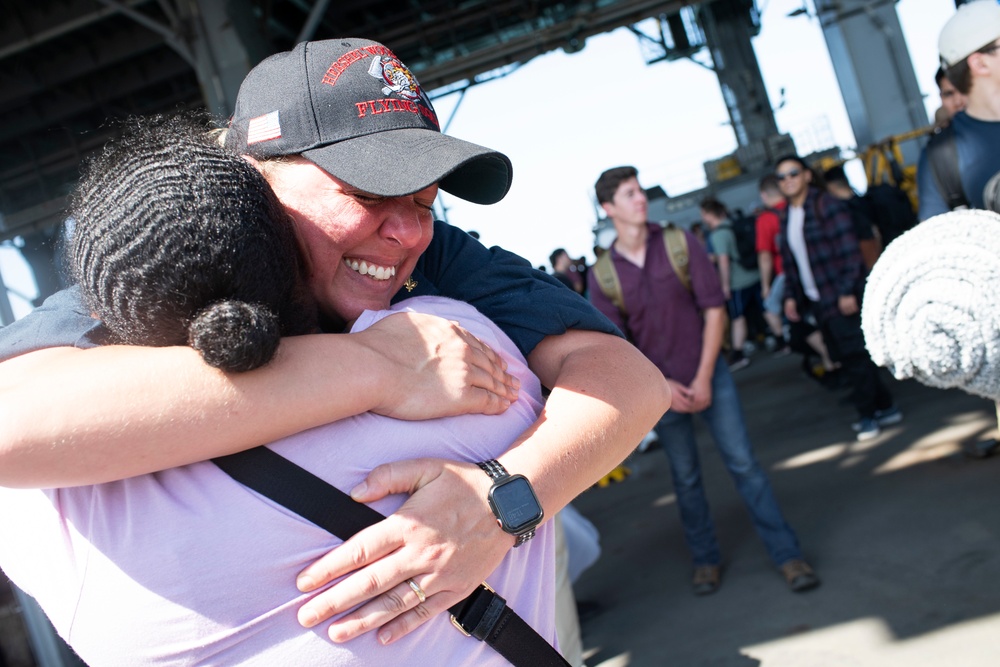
column 724, row 418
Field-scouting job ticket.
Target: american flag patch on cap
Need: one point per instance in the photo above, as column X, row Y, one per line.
column 263, row 128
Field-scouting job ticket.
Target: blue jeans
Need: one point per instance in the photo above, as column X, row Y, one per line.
column 724, row 418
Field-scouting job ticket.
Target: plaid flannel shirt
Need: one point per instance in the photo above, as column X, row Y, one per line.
column 834, row 254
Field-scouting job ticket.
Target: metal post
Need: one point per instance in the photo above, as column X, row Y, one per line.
column 873, row 68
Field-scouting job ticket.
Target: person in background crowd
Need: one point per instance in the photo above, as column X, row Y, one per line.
column 862, row 213
column 566, row 271
column 969, row 45
column 825, row 278
column 952, row 101
column 675, row 316
column 740, row 285
column 772, row 280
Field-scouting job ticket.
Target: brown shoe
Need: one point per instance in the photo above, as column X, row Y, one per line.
column 706, row 579
column 799, row 575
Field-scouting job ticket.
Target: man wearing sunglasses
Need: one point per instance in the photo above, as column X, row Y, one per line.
column 824, row 279
column 957, row 163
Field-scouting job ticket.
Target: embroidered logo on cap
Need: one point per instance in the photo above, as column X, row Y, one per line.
column 396, row 77
column 263, row 128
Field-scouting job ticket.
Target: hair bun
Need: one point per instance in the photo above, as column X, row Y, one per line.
column 235, row 336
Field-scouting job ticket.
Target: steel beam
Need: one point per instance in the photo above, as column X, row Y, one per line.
column 873, row 68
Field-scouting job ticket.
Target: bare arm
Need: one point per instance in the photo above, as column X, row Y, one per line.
column 724, row 271
column 605, row 398
column 71, row 416
column 765, row 262
column 700, row 390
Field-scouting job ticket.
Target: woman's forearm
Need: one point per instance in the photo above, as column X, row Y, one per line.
column 605, row 398
column 70, row 417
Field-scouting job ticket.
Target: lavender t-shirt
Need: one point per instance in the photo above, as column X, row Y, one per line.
column 188, row 567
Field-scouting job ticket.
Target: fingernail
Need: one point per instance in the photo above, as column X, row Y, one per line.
column 305, row 583
column 384, row 637
column 359, row 491
column 308, row 618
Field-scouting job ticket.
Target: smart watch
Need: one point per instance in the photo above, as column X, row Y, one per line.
column 513, row 502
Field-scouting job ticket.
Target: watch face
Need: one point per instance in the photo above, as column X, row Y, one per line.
column 516, row 505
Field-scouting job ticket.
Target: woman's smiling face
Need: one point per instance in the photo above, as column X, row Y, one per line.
column 359, row 248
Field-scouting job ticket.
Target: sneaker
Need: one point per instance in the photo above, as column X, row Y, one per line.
column 782, row 348
column 737, row 362
column 706, row 579
column 887, row 417
column 867, row 429
column 799, row 575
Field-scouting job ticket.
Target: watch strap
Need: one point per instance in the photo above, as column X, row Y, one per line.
column 524, row 537
column 494, row 469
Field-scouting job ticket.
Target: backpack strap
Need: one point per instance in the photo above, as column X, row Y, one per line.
column 483, row 615
column 607, row 279
column 942, row 156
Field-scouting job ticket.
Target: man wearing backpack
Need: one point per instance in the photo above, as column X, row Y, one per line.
column 737, row 273
column 956, row 164
column 825, row 278
column 658, row 285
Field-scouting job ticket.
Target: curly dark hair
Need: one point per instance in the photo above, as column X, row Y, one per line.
column 176, row 241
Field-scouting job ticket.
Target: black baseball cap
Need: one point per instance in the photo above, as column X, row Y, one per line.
column 353, row 109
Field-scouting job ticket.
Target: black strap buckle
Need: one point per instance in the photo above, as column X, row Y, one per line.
column 477, row 615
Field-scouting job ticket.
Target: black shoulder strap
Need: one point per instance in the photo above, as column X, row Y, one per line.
column 483, row 615
column 942, row 156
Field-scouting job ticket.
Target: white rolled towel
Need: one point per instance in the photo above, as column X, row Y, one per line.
column 932, row 304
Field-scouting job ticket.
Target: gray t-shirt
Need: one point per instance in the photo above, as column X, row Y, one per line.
column 724, row 243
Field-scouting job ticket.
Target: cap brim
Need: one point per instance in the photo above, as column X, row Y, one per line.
column 394, row 163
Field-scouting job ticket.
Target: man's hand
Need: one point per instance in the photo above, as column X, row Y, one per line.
column 791, row 310
column 701, row 393
column 438, row 369
column 444, row 538
column 848, row 305
column 683, row 398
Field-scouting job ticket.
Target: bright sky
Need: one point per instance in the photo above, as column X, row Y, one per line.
column 563, row 119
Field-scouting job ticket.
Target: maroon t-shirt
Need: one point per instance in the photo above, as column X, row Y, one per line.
column 664, row 318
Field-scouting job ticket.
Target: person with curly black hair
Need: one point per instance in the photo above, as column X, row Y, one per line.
column 176, row 241
column 352, row 148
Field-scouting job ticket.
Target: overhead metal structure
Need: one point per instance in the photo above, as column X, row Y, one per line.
column 69, row 68
column 873, row 68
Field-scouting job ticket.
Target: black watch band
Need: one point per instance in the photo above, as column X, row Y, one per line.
column 494, row 469
column 501, row 478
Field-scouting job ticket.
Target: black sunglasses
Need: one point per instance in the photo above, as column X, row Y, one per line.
column 788, row 174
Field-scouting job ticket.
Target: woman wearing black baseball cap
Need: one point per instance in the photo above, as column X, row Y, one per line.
column 351, row 147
